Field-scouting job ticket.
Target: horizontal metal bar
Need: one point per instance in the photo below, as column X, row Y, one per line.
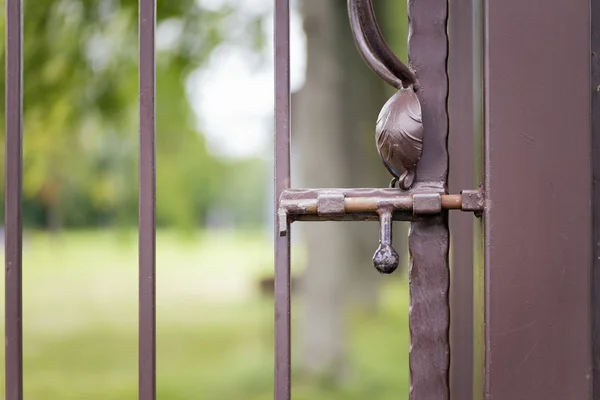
column 365, row 204
column 299, row 202
column 369, row 204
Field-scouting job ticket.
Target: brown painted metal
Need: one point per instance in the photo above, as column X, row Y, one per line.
column 429, row 314
column 399, row 130
column 399, row 136
column 373, row 47
column 461, row 175
column 429, row 238
column 282, row 181
column 538, row 251
column 147, row 200
column 365, row 204
column 385, row 259
column 365, row 51
column 386, row 205
column 595, row 95
column 13, row 314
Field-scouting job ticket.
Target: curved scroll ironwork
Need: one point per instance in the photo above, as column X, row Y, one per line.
column 373, row 47
column 365, row 51
column 399, row 131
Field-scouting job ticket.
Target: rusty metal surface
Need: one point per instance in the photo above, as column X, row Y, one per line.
column 366, row 204
column 429, row 314
column 427, row 203
column 282, row 389
column 472, row 200
column 13, row 313
column 147, row 201
column 595, row 95
column 313, row 193
column 330, row 203
column 359, row 204
column 461, row 176
column 538, row 256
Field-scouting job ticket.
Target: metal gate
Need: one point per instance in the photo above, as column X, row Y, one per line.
column 418, row 138
column 13, row 203
column 521, row 290
column 516, row 74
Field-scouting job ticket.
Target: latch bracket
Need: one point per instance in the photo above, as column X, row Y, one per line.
column 383, row 205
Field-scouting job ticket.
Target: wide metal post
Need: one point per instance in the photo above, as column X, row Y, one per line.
column 538, row 194
column 595, row 95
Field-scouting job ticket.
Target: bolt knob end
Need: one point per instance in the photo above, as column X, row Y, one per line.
column 386, row 259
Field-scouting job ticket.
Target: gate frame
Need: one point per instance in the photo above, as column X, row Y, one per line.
column 538, row 230
column 595, row 113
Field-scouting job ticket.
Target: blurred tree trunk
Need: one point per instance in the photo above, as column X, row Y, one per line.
column 50, row 194
column 334, row 117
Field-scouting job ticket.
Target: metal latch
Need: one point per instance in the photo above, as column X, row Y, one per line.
column 384, row 205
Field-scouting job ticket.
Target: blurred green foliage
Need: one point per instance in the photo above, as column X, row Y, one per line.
column 80, row 112
column 214, row 329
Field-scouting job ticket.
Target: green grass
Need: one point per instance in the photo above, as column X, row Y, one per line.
column 214, row 329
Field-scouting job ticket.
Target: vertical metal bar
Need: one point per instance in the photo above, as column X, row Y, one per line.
column 13, row 209
column 538, row 217
column 429, row 314
column 147, row 201
column 282, row 181
column 461, row 176
column 595, row 94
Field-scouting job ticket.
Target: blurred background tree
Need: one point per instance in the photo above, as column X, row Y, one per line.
column 334, row 124
column 80, row 107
